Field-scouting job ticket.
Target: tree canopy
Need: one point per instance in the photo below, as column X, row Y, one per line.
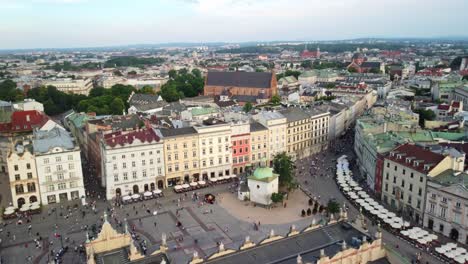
column 425, row 115
column 283, row 165
column 288, row 73
column 10, row 92
column 247, row 107
column 128, row 61
column 182, row 84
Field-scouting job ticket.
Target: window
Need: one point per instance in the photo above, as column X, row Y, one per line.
column 143, row 162
column 31, row 187
column 133, row 164
column 386, row 187
column 402, row 183
column 17, row 177
column 62, row 186
column 29, row 175
column 404, row 171
column 394, row 179
column 388, row 164
column 48, row 178
column 186, row 166
column 211, row 150
column 185, row 145
column 431, row 208
column 134, row 174
column 176, row 167
column 46, row 161
column 211, row 162
column 50, row 188
column 169, row 168
column 220, row 160
column 421, row 179
column 143, row 173
column 411, row 175
column 151, row 161
column 227, row 159
column 159, row 171
column 456, row 218
column 60, row 176
column 28, row 166
column 443, row 211
column 411, row 187
column 71, row 166
column 115, row 166
column 194, row 164
column 59, row 167
column 458, row 204
column 47, row 169
column 441, row 228
column 125, row 176
column 418, row 205
column 444, row 199
column 185, row 155
column 73, row 184
column 420, row 191
column 176, row 156
column 142, row 154
column 113, row 157
column 151, row 152
column 194, row 154
column 395, row 168
column 116, row 177
column 16, row 168
column 124, row 165
column 19, row 189
column 58, row 159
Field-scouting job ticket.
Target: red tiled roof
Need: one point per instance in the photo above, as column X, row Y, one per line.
column 443, row 107
column 23, row 121
column 416, row 153
column 456, row 104
column 309, row 54
column 119, row 138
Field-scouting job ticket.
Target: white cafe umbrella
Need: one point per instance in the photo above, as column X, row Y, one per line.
column 126, row 198
column 382, row 216
column 35, row 207
column 450, row 254
column 24, row 209
column 135, row 196
column 359, row 201
column 361, row 192
column 10, row 208
column 451, row 245
column 201, row 182
column 375, row 212
column 459, row 251
column 424, row 232
column 148, row 194
column 388, row 220
column 432, row 236
column 344, row 185
column 368, row 207
column 213, row 179
column 421, row 241
column 441, row 250
column 407, row 224
column 358, row 188
column 391, row 214
column 177, row 187
column 8, row 212
column 413, row 236
column 346, row 189
column 193, row 184
column 404, row 232
column 157, row 191
column 185, row 186
column 365, row 195
column 379, row 207
column 460, row 259
column 352, row 183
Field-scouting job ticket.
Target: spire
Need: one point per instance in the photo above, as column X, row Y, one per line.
column 87, row 237
column 126, row 226
column 105, row 216
column 299, row 259
column 344, row 246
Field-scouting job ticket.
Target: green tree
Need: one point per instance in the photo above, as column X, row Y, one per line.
column 425, row 115
column 283, row 165
column 333, row 207
column 247, row 107
column 117, row 107
column 275, row 99
column 146, row 90
column 170, row 93
column 98, row 91
column 277, row 197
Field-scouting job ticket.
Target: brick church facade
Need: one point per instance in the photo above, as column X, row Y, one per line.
column 242, row 86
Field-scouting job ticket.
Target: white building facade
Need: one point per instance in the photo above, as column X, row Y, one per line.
column 277, row 126
column 58, row 163
column 132, row 162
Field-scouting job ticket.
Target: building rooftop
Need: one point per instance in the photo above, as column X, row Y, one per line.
column 178, row 131
column 449, row 177
column 306, row 244
column 256, row 126
column 240, row 79
column 293, row 114
column 44, row 141
column 124, row 138
column 415, row 157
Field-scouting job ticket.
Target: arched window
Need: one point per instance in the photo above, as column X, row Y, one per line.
column 19, row 188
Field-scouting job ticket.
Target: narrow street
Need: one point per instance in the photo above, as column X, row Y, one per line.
column 317, row 176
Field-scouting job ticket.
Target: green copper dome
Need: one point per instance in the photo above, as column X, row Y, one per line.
column 263, row 172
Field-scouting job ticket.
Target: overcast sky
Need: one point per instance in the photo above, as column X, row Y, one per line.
column 91, row 23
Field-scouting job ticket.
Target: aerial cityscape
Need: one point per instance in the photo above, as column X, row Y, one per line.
column 220, row 131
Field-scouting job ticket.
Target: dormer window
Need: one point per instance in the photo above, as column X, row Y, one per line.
column 392, row 154
column 427, row 167
column 416, row 163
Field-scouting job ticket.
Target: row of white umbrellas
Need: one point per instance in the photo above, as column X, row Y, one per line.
column 452, row 251
column 137, row 195
column 420, row 235
column 364, row 200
